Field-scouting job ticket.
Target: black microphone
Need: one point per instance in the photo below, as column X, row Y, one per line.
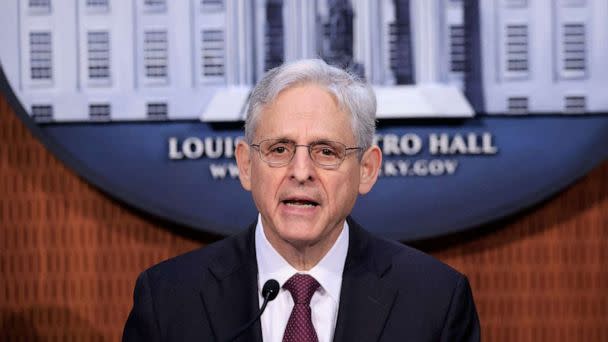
column 270, row 290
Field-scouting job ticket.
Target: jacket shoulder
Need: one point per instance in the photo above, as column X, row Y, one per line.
column 413, row 266
column 193, row 266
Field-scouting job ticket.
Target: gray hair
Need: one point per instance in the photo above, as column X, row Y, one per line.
column 353, row 95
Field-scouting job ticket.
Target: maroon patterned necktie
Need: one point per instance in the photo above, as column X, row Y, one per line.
column 299, row 327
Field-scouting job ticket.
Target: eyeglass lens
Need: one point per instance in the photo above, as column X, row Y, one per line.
column 279, row 152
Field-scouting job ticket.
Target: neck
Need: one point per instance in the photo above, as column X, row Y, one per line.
column 304, row 255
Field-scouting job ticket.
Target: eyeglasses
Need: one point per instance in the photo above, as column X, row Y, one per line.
column 280, row 152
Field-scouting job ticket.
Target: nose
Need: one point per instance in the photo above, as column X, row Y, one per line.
column 301, row 168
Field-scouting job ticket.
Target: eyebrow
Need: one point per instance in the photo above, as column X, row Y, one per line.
column 281, row 139
column 315, row 141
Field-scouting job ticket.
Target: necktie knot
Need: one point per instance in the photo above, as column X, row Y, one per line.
column 302, row 287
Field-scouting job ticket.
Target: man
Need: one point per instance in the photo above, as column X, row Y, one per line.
column 306, row 157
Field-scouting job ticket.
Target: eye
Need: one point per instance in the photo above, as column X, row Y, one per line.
column 325, row 151
column 278, row 148
column 328, row 151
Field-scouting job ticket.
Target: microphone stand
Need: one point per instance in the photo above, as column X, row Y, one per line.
column 270, row 290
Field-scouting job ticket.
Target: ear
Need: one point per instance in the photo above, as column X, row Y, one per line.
column 243, row 161
column 370, row 165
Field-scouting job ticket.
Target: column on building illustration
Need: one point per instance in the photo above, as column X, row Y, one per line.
column 274, row 34
column 369, row 46
column 453, row 57
column 427, row 40
column 400, row 44
column 336, row 39
column 300, row 23
column 239, row 37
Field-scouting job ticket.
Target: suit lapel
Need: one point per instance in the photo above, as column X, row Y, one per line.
column 230, row 295
column 365, row 299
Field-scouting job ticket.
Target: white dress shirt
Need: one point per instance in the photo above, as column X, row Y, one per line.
column 324, row 303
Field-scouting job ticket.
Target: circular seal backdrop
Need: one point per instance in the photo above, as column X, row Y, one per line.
column 146, row 99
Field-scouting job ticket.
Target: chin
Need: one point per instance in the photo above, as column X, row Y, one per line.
column 300, row 236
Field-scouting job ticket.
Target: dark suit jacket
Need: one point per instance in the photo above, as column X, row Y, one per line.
column 390, row 292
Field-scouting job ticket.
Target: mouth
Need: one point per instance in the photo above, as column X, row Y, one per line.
column 300, row 202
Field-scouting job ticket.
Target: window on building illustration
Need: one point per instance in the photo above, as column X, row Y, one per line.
column 39, row 6
column 574, row 59
column 98, row 46
column 516, row 3
column 517, row 105
column 457, row 48
column 212, row 5
column 157, row 110
column 212, row 53
column 98, row 5
column 575, row 105
column 516, row 50
column 100, row 111
column 41, row 56
column 155, row 5
column 42, row 113
column 156, row 54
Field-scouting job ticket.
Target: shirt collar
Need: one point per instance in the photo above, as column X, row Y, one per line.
column 328, row 272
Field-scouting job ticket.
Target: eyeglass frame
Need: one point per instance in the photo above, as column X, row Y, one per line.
column 347, row 150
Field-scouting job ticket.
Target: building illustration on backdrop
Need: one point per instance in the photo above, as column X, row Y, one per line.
column 109, row 60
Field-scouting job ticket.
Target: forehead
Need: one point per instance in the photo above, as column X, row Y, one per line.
column 305, row 112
